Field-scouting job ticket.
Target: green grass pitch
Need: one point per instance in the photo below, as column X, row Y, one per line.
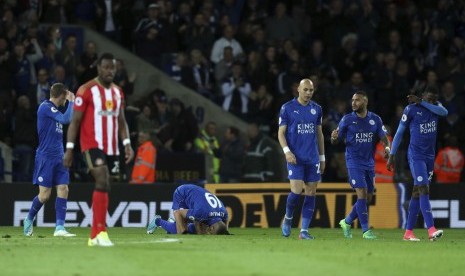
column 247, row 252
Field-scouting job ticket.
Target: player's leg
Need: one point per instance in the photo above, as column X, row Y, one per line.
column 295, row 175
column 62, row 178
column 43, row 177
column 312, row 177
column 412, row 216
column 97, row 163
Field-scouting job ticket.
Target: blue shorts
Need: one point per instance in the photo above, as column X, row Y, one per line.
column 362, row 178
column 422, row 170
column 305, row 172
column 49, row 171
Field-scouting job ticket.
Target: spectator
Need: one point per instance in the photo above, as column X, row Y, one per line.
column 50, row 58
column 198, row 35
column 201, row 74
column 208, row 144
column 25, row 138
column 123, row 80
column 281, row 27
column 69, row 57
column 259, row 106
column 223, row 67
column 449, row 162
column 145, row 121
column 227, row 40
column 260, row 161
column 87, row 68
column 60, row 75
column 144, row 170
column 7, row 70
column 24, row 73
column 232, row 156
column 41, row 90
column 236, row 92
column 107, row 20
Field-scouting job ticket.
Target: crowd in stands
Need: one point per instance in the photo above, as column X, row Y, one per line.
column 247, row 56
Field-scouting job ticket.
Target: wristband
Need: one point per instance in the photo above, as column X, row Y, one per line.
column 126, row 142
column 286, row 149
column 70, row 145
column 322, row 158
column 387, row 149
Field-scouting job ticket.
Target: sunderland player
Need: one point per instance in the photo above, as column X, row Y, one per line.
column 49, row 170
column 301, row 137
column 421, row 117
column 193, row 203
column 359, row 131
column 99, row 117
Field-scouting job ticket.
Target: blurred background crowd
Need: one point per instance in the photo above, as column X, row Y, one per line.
column 247, row 56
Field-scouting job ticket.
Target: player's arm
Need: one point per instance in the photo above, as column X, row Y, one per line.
column 387, row 146
column 71, row 137
column 321, row 148
column 436, row 109
column 124, row 135
column 395, row 145
column 290, row 157
column 181, row 221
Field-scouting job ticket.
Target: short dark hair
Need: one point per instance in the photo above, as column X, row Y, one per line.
column 57, row 90
column 107, row 56
column 363, row 93
column 431, row 89
column 234, row 131
column 221, row 228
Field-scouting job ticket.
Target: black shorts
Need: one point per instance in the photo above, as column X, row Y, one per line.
column 97, row 158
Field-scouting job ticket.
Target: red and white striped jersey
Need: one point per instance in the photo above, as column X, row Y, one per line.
column 101, row 107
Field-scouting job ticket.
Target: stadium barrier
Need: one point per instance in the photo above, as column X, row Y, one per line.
column 249, row 205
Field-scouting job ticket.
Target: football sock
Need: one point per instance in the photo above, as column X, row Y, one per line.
column 361, row 206
column 413, row 211
column 352, row 215
column 425, row 207
column 60, row 210
column 99, row 211
column 169, row 227
column 307, row 211
column 35, row 207
column 292, row 200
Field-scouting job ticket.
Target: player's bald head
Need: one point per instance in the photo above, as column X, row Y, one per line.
column 305, row 82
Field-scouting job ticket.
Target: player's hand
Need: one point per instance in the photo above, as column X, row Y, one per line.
column 413, row 99
column 68, row 159
column 390, row 163
column 334, row 135
column 290, row 158
column 387, row 151
column 70, row 96
column 322, row 167
column 128, row 153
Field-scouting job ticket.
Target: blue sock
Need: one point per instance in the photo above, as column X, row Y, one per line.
column 170, row 227
column 35, row 207
column 292, row 200
column 352, row 215
column 361, row 206
column 60, row 210
column 425, row 207
column 307, row 211
column 191, row 228
column 413, row 211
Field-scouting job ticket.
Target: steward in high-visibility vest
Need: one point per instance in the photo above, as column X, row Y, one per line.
column 143, row 171
column 207, row 143
column 448, row 165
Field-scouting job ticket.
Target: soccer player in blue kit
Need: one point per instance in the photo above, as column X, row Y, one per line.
column 301, row 137
column 49, row 170
column 359, row 130
column 421, row 117
column 193, row 203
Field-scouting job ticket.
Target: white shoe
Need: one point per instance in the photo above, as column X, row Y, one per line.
column 101, row 239
column 63, row 233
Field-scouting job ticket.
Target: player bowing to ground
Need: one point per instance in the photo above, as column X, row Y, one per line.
column 48, row 168
column 421, row 117
column 301, row 137
column 193, row 203
column 359, row 130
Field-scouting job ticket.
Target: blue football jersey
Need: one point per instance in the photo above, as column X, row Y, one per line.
column 301, row 133
column 50, row 128
column 359, row 135
column 423, row 130
column 203, row 206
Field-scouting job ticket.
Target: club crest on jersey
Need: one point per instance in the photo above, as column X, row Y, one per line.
column 372, row 122
column 54, row 110
column 404, row 118
column 109, row 105
column 313, row 111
